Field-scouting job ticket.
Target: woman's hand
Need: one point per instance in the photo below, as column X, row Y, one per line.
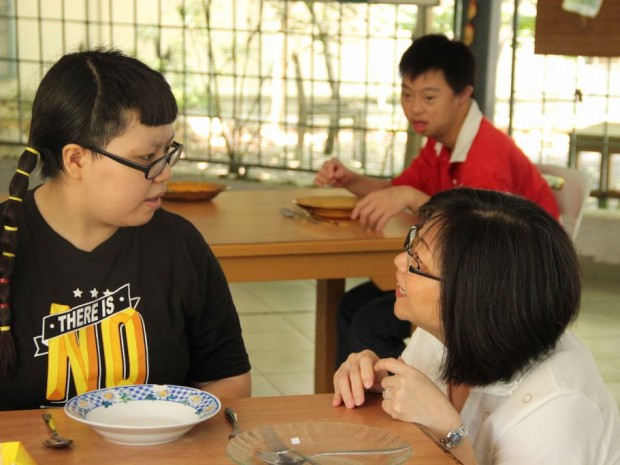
column 411, row 396
column 355, row 376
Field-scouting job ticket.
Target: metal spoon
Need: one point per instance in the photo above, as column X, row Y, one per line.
column 54, row 441
column 231, row 416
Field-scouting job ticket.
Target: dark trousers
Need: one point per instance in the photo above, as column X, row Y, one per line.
column 366, row 320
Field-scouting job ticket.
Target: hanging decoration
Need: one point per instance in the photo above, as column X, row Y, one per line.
column 561, row 30
column 588, row 8
column 469, row 30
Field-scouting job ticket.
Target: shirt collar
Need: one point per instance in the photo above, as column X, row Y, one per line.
column 502, row 388
column 466, row 136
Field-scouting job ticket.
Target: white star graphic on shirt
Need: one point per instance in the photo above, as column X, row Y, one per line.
column 77, row 293
column 107, row 292
column 94, row 293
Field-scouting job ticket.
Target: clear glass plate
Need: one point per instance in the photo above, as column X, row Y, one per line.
column 313, row 437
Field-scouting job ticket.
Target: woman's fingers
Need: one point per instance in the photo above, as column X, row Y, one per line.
column 353, row 378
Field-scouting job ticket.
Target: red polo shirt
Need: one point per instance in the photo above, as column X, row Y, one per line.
column 493, row 162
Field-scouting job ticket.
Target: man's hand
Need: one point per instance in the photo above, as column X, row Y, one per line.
column 376, row 209
column 333, row 173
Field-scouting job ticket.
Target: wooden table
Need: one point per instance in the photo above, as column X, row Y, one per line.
column 254, row 242
column 207, row 442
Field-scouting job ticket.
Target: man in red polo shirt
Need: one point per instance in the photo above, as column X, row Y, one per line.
column 463, row 148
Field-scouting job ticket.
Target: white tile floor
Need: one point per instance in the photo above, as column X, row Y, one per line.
column 278, row 325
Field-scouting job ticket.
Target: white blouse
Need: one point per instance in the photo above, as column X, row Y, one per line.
column 559, row 412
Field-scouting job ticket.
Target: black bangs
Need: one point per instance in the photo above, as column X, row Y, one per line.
column 127, row 84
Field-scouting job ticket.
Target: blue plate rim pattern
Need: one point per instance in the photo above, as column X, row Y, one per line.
column 206, row 405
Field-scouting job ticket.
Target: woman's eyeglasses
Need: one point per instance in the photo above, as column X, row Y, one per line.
column 412, row 257
column 150, row 171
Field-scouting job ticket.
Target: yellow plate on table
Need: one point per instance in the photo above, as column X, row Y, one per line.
column 193, row 191
column 329, row 207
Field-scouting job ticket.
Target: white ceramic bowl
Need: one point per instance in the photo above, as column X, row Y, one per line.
column 143, row 414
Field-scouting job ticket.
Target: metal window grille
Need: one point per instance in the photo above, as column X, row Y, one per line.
column 261, row 83
column 281, row 85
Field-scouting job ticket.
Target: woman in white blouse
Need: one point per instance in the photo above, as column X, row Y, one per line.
column 491, row 282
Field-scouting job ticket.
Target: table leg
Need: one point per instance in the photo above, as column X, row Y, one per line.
column 328, row 295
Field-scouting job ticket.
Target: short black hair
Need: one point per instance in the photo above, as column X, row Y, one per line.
column 511, row 282
column 89, row 98
column 435, row 52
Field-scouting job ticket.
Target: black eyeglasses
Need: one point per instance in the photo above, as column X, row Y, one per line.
column 412, row 257
column 152, row 170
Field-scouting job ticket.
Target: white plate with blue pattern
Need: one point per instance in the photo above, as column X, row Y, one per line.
column 143, row 414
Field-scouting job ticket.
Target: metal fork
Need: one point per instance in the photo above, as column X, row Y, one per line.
column 306, row 214
column 299, row 212
column 275, row 444
column 282, row 459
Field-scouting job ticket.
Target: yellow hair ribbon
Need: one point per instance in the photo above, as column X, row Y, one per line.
column 31, row 150
column 17, row 199
column 5, row 328
column 10, row 228
column 22, row 172
column 8, row 254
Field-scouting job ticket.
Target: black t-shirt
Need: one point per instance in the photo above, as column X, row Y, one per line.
column 149, row 305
